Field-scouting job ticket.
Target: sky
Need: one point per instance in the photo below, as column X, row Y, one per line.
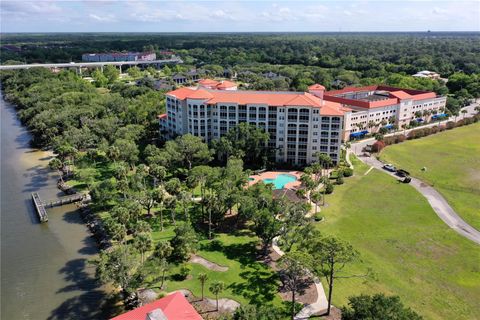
column 237, row 16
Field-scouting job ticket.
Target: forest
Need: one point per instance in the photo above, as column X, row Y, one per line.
column 297, row 60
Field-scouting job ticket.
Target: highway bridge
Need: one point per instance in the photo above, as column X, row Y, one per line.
column 79, row 65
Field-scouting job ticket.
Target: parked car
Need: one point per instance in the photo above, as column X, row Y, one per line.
column 368, row 148
column 402, row 173
column 390, row 167
column 407, row 179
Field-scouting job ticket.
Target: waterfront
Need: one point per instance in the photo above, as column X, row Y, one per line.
column 44, row 269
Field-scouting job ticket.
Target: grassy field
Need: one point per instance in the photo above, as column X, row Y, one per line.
column 411, row 251
column 452, row 159
column 247, row 280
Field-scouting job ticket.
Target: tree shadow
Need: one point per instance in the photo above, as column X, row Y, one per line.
column 92, row 303
column 260, row 285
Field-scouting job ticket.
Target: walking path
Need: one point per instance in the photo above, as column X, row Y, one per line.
column 436, row 201
column 319, row 306
column 207, row 263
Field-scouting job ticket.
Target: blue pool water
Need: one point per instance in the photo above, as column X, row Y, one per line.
column 280, row 180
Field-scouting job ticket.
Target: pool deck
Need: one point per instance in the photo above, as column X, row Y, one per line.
column 272, row 174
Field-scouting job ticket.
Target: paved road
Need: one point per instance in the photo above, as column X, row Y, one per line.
column 436, row 201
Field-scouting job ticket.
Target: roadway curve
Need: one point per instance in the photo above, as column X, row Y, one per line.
column 436, row 201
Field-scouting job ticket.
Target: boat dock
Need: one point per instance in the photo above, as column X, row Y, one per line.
column 41, row 205
column 37, row 202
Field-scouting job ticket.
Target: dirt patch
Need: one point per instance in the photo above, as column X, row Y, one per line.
column 208, row 264
column 207, row 307
column 335, row 314
column 308, row 293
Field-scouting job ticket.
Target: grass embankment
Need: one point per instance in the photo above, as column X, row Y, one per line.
column 452, row 159
column 412, row 252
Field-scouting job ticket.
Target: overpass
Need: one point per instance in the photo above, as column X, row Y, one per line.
column 79, row 65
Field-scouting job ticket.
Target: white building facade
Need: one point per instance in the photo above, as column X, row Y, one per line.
column 374, row 107
column 300, row 124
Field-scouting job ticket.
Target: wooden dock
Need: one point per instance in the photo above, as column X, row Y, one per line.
column 64, row 200
column 40, row 205
column 42, row 213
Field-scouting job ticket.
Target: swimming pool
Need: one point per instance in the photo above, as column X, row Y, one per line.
column 281, row 180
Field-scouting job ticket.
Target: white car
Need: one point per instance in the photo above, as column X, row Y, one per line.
column 390, row 167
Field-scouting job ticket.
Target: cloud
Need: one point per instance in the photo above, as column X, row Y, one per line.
column 278, row 14
column 105, row 18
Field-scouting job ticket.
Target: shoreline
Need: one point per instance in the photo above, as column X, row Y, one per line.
column 45, row 274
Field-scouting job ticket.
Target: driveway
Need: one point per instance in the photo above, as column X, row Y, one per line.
column 435, row 199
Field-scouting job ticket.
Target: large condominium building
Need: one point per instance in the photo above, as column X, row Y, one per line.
column 300, row 124
column 379, row 106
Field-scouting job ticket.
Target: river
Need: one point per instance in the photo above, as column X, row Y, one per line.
column 44, row 269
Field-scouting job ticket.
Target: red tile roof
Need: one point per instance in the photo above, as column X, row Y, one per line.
column 396, row 94
column 316, row 86
column 226, row 84
column 402, row 95
column 260, row 97
column 208, row 82
column 173, row 306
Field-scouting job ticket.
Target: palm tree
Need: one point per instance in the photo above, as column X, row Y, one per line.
column 203, row 277
column 464, row 113
column 185, row 198
column 216, row 288
column 316, row 197
column 325, row 161
column 163, row 267
column 113, row 153
column 477, row 108
column 142, row 242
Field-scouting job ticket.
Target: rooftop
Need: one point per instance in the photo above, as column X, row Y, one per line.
column 171, row 307
column 375, row 96
column 270, row 98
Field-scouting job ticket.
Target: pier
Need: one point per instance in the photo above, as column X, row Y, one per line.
column 40, row 205
column 42, row 213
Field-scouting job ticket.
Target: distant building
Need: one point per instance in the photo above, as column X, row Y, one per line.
column 377, row 106
column 179, row 78
column 12, row 48
column 427, row 74
column 119, row 56
column 172, row 307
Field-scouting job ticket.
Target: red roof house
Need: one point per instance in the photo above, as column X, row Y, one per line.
column 171, row 307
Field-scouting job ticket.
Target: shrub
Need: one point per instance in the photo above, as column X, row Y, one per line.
column 340, row 179
column 378, row 146
column 401, row 138
column 318, row 217
column 434, row 129
column 184, row 271
column 450, row 125
column 460, row 123
column 329, row 188
column 347, row 172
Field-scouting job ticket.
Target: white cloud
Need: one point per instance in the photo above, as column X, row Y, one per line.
column 103, row 18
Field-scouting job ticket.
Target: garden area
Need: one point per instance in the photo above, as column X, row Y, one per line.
column 410, row 251
column 452, row 167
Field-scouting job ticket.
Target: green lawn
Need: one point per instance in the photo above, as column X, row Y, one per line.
column 452, row 159
column 411, row 251
column 247, row 281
